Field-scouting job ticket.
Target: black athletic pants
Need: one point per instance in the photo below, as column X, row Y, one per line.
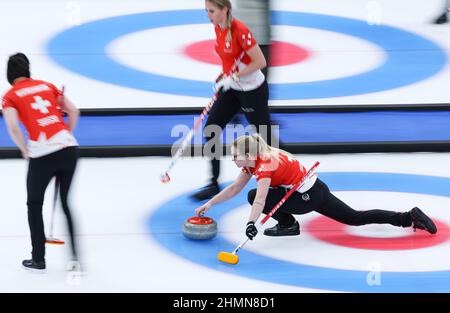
column 320, row 199
column 41, row 170
column 254, row 104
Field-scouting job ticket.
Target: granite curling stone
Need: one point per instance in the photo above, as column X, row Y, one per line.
column 200, row 228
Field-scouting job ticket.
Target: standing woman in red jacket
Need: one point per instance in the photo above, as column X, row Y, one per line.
column 51, row 148
column 245, row 89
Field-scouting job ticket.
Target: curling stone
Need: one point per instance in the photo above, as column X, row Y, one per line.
column 200, row 228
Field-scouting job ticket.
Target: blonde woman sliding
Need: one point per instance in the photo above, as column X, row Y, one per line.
column 276, row 171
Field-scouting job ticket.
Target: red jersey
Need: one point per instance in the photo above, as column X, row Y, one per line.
column 283, row 170
column 229, row 51
column 37, row 106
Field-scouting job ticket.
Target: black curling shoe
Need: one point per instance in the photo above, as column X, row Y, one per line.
column 442, row 19
column 421, row 221
column 37, row 267
column 278, row 230
column 207, row 192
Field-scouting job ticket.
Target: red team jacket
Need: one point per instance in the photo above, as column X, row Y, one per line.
column 36, row 102
column 229, row 51
column 283, row 170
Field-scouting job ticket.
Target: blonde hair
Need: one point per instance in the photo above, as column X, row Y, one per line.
column 255, row 145
column 224, row 4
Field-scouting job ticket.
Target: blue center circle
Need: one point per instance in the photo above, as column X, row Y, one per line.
column 409, row 57
column 165, row 225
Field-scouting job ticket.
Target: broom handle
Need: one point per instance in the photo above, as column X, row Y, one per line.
column 286, row 196
column 55, row 195
column 55, row 199
column 186, row 141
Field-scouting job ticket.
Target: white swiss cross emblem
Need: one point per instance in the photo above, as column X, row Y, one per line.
column 40, row 104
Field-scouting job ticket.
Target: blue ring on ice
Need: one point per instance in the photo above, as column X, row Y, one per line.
column 82, row 49
column 165, row 226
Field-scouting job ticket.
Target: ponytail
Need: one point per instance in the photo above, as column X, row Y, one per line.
column 229, row 20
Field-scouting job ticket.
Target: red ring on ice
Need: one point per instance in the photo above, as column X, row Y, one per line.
column 330, row 231
column 282, row 53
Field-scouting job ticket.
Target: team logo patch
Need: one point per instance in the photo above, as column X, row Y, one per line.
column 305, row 197
column 5, row 102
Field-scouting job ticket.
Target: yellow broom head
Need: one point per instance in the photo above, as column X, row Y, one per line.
column 227, row 257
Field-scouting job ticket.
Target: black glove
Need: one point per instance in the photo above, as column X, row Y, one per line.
column 251, row 230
